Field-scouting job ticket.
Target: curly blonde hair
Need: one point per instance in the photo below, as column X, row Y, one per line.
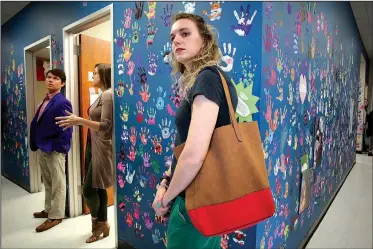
column 209, row 54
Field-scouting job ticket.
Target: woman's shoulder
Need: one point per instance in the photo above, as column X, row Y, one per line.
column 107, row 94
column 208, row 75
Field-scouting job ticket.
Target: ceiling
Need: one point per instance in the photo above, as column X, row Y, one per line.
column 363, row 12
column 43, row 53
column 9, row 9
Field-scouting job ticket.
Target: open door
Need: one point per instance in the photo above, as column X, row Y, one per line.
column 92, row 51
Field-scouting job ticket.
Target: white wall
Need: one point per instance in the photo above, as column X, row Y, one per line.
column 101, row 31
column 40, row 90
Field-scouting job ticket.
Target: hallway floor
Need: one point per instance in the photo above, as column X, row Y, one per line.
column 18, row 225
column 348, row 223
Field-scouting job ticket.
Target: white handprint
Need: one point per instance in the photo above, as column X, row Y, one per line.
column 227, row 58
column 129, row 176
column 165, row 128
column 189, row 7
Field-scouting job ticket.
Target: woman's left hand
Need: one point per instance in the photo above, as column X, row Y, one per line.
column 68, row 121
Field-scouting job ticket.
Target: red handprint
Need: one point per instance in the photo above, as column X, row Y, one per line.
column 140, row 112
column 268, row 115
column 268, row 38
column 129, row 219
column 132, row 154
column 157, row 145
column 136, row 208
column 152, row 181
column 133, row 136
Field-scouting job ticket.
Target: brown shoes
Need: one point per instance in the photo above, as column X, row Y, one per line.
column 48, row 224
column 41, row 214
column 101, row 228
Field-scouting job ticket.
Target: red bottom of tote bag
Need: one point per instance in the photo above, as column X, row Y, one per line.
column 237, row 214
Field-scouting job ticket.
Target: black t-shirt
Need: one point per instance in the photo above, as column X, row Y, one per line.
column 209, row 84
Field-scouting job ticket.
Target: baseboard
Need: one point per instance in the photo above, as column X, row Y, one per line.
column 124, row 245
column 22, row 185
column 316, row 224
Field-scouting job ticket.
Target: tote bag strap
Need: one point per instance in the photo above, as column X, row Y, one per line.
column 231, row 111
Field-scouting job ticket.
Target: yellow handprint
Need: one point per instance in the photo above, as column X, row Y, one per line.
column 127, row 51
column 151, row 13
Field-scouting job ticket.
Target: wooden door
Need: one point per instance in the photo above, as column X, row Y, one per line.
column 92, row 52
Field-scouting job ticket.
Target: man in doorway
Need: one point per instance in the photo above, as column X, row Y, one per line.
column 52, row 144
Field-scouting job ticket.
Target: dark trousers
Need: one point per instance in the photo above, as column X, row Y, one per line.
column 95, row 198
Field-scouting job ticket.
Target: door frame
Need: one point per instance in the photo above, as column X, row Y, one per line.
column 72, row 93
column 30, row 80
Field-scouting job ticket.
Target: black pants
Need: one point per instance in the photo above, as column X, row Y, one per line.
column 96, row 199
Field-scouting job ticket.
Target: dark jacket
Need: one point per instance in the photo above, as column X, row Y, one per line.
column 370, row 124
column 44, row 133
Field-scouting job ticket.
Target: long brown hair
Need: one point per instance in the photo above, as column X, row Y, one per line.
column 104, row 71
column 209, row 54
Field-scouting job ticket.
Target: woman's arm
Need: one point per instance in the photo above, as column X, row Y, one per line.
column 204, row 116
column 93, row 125
column 106, row 117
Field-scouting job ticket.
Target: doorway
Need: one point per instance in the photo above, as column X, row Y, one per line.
column 361, row 107
column 37, row 57
column 86, row 43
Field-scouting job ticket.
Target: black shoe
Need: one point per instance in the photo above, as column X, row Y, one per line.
column 370, row 154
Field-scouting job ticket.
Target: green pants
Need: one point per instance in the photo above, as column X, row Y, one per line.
column 181, row 234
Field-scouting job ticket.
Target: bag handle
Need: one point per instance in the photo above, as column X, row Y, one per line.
column 231, row 111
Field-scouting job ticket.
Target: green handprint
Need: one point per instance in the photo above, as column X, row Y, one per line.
column 125, row 111
column 248, row 71
column 156, row 166
column 136, row 30
column 140, row 150
column 151, row 116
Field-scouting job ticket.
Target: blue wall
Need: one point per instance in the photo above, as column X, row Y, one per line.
column 141, row 162
column 317, row 40
column 263, row 63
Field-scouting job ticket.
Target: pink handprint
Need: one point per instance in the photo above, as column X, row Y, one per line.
column 147, row 220
column 170, row 111
column 131, row 68
column 121, row 167
column 144, row 135
column 121, row 182
column 224, row 241
column 127, row 18
column 146, row 158
column 129, row 219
